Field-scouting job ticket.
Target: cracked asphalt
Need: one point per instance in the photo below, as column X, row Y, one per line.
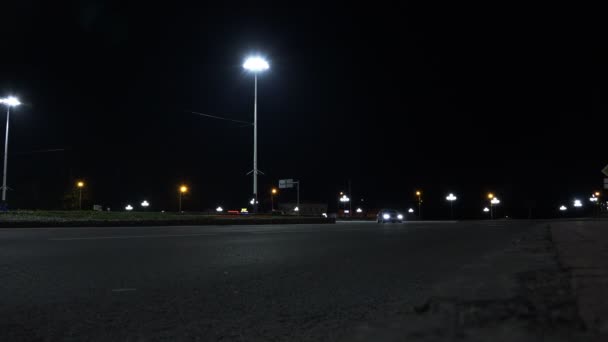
column 357, row 281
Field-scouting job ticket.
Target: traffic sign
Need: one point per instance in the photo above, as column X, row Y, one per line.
column 286, row 183
column 605, row 170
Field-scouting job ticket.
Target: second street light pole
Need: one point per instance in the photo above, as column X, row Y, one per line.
column 255, row 144
column 8, row 115
column 9, row 102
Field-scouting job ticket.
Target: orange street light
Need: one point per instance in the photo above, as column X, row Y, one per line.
column 80, row 185
column 182, row 190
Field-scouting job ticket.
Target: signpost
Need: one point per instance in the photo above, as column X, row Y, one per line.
column 288, row 184
column 606, row 183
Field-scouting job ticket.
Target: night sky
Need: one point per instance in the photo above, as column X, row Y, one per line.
column 395, row 98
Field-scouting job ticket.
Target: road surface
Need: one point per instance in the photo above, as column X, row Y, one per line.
column 356, row 281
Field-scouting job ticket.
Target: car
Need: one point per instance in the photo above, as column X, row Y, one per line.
column 389, row 215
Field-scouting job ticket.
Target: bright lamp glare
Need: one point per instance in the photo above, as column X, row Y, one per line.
column 255, row 64
column 219, row 209
column 359, row 210
column 485, row 210
column 11, row 101
column 129, row 207
column 563, row 208
column 578, row 203
column 410, row 210
column 495, row 201
column 386, row 216
column 451, row 197
column 400, row 217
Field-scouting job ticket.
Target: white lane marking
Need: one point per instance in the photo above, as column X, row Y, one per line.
column 124, row 289
column 129, row 237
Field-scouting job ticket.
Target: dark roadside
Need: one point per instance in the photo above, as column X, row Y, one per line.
column 582, row 248
column 46, row 219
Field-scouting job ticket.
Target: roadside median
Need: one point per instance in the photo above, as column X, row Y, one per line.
column 45, row 219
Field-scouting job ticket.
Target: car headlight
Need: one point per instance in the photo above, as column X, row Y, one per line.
column 400, row 217
column 386, row 216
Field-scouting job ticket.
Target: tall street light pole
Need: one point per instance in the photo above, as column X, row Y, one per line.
column 9, row 102
column 255, row 65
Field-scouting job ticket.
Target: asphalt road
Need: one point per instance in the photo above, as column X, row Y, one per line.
column 344, row 282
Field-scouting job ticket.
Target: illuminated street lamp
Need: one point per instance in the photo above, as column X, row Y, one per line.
column 145, row 204
column 296, row 209
column 451, row 198
column 419, row 195
column 563, row 208
column 273, row 192
column 410, row 210
column 493, row 201
column 10, row 101
column 485, row 210
column 182, row 190
column 359, row 210
column 577, row 203
column 129, row 207
column 255, row 64
column 80, row 185
column 219, row 209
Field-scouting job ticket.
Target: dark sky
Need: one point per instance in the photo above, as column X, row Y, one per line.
column 444, row 98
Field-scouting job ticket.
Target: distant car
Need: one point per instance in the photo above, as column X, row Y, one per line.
column 389, row 215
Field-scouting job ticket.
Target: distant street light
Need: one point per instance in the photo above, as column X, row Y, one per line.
column 182, row 190
column 273, row 192
column 593, row 199
column 563, row 208
column 255, row 64
column 485, row 210
column 493, row 201
column 80, row 185
column 219, row 209
column 410, row 210
column 145, row 204
column 344, row 199
column 577, row 203
column 419, row 195
column 359, row 210
column 10, row 101
column 296, row 209
column 451, row 198
column 129, row 207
